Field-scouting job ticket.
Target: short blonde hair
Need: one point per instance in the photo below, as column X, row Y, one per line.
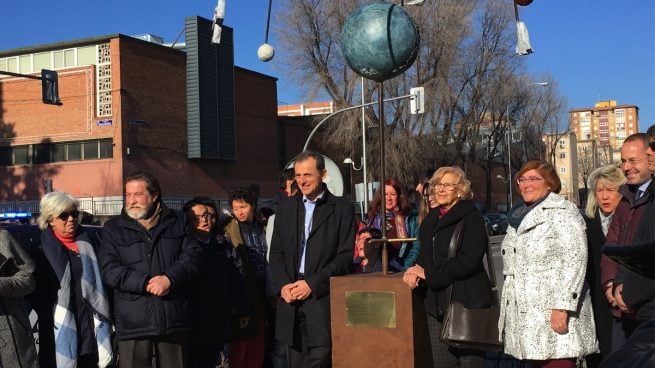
column 463, row 184
column 610, row 173
column 54, row 204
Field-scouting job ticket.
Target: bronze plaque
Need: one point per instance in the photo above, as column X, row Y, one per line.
column 371, row 308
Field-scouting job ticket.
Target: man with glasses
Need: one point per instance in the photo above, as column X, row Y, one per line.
column 637, row 197
column 149, row 258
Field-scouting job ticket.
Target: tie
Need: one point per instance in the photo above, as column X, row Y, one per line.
column 639, row 194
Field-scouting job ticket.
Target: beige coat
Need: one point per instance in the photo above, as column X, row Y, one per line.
column 544, row 263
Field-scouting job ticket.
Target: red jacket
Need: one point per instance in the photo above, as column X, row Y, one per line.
column 623, row 228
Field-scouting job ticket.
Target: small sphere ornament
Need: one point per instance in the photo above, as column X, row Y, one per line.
column 523, row 2
column 265, row 52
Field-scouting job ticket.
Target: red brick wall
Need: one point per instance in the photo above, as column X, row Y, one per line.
column 148, row 84
column 153, row 89
column 26, row 120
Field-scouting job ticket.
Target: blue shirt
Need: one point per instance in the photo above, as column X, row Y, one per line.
column 309, row 214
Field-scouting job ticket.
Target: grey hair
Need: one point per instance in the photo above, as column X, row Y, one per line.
column 463, row 184
column 610, row 173
column 54, row 204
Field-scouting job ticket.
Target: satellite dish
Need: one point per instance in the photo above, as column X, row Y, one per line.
column 333, row 178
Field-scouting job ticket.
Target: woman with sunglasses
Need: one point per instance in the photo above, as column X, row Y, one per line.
column 545, row 309
column 70, row 299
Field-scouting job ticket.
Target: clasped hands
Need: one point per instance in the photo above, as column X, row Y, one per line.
column 615, row 296
column 298, row 290
column 413, row 276
column 158, row 285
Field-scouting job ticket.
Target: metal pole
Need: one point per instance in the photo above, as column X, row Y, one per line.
column 509, row 158
column 385, row 251
column 365, row 206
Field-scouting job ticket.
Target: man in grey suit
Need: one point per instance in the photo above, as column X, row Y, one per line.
column 312, row 241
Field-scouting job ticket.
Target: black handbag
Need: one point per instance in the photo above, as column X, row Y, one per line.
column 470, row 328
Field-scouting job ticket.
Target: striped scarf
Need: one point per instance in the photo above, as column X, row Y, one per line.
column 94, row 293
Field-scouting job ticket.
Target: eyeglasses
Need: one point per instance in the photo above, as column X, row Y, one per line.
column 204, row 216
column 529, row 180
column 446, row 186
column 632, row 161
column 65, row 215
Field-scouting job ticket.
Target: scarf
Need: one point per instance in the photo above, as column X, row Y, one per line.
column 153, row 220
column 68, row 241
column 520, row 210
column 93, row 292
column 398, row 220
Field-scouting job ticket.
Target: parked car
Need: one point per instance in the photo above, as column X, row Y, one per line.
column 496, row 223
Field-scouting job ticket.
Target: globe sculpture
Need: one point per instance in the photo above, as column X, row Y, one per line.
column 379, row 40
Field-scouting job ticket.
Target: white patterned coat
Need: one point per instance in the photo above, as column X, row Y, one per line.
column 544, row 263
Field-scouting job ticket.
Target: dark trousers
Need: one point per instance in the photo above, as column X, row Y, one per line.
column 301, row 355
column 318, row 357
column 444, row 356
column 168, row 351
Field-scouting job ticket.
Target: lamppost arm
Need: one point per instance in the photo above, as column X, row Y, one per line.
column 311, row 134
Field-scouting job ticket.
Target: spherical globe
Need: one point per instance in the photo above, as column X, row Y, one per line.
column 265, row 52
column 379, row 41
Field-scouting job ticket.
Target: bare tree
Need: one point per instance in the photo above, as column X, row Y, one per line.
column 466, row 63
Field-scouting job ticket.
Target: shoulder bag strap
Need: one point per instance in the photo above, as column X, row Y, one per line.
column 491, row 271
column 452, row 250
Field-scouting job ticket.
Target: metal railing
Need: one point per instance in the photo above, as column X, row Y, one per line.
column 104, row 206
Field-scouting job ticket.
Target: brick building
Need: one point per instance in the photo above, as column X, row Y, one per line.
column 184, row 113
column 562, row 152
column 607, row 124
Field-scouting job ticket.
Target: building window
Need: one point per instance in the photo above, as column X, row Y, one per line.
column 21, row 155
column 6, row 158
column 74, row 152
column 58, row 152
column 41, row 153
column 44, row 153
column 562, row 170
column 562, row 155
column 90, row 150
column 106, row 148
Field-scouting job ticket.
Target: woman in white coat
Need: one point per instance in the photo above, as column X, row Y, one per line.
column 546, row 314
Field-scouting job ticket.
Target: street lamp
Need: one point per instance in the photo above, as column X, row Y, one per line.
column 349, row 161
column 509, row 195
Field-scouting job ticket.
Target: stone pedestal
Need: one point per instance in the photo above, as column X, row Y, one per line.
column 377, row 322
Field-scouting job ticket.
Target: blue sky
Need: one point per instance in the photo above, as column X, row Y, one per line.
column 594, row 48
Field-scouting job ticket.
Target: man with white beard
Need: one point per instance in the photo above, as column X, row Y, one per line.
column 148, row 257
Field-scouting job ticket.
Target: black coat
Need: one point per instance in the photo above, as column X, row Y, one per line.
column 130, row 255
column 47, row 252
column 600, row 305
column 465, row 271
column 328, row 253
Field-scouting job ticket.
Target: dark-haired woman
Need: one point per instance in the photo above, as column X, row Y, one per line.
column 400, row 222
column 248, row 237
